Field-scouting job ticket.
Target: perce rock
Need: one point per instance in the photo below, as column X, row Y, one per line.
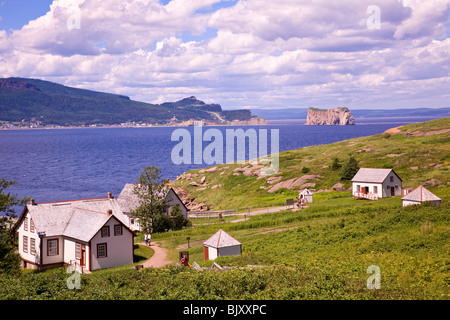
column 335, row 116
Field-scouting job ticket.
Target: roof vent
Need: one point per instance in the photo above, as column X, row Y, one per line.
column 109, row 211
column 32, row 202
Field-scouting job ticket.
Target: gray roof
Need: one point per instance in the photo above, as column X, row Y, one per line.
column 129, row 201
column 421, row 194
column 221, row 239
column 372, row 175
column 79, row 219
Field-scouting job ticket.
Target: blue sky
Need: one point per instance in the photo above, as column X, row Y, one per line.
column 240, row 54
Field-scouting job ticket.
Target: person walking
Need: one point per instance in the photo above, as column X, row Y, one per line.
column 146, row 239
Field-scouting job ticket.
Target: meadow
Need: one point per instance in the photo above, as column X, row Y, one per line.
column 320, row 252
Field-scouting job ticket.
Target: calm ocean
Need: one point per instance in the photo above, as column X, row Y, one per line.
column 66, row 164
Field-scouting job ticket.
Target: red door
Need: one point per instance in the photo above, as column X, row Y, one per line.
column 392, row 192
column 205, row 253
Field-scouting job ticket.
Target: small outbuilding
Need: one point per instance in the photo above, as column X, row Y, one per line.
column 419, row 195
column 221, row 244
column 306, row 196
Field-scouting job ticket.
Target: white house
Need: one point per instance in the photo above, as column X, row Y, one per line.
column 129, row 201
column 91, row 233
column 370, row 183
column 419, row 195
column 306, row 196
column 221, row 244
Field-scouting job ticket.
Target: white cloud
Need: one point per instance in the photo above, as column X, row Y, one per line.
column 266, row 53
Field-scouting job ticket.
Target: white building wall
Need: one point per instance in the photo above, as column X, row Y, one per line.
column 212, row 253
column 396, row 183
column 119, row 248
column 173, row 200
column 28, row 256
column 371, row 188
column 53, row 259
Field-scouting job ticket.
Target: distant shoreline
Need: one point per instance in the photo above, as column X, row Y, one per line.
column 359, row 121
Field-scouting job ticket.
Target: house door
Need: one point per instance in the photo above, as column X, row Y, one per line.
column 205, row 253
column 83, row 255
column 392, row 191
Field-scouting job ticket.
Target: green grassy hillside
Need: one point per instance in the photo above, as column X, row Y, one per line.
column 319, row 252
column 419, row 153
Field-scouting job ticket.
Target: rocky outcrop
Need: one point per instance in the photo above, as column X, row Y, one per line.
column 336, row 116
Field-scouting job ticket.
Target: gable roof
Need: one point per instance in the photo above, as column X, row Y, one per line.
column 421, row 194
column 129, row 201
column 374, row 175
column 306, row 192
column 78, row 219
column 221, row 239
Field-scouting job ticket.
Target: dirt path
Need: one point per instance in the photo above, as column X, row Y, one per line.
column 159, row 258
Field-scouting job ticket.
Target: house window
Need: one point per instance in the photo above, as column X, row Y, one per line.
column 52, row 247
column 25, row 224
column 375, row 189
column 77, row 250
column 117, row 230
column 105, row 231
column 102, row 250
column 391, row 179
column 31, row 225
column 33, row 246
column 358, row 188
column 25, row 244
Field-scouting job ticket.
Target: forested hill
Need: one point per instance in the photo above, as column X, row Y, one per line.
column 48, row 103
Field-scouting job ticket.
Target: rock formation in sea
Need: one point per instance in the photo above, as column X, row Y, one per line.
column 335, row 116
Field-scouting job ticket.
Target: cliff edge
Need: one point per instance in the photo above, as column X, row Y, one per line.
column 335, row 116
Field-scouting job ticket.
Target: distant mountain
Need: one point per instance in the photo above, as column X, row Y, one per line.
column 301, row 113
column 48, row 103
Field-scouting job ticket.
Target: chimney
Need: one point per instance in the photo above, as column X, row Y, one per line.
column 109, row 211
column 110, row 195
column 32, row 202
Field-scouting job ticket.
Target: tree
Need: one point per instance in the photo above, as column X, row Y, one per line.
column 350, row 169
column 9, row 260
column 178, row 219
column 336, row 164
column 151, row 191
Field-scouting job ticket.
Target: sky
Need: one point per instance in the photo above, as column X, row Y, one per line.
column 238, row 53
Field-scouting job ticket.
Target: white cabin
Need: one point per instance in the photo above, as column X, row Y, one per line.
column 370, row 183
column 306, row 196
column 89, row 233
column 221, row 244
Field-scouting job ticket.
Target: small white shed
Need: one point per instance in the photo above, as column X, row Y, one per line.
column 221, row 244
column 306, row 195
column 419, row 195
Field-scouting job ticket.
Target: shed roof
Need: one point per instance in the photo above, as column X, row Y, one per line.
column 221, row 239
column 421, row 194
column 373, row 175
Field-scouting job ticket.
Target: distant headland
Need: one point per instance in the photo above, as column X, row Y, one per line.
column 33, row 103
